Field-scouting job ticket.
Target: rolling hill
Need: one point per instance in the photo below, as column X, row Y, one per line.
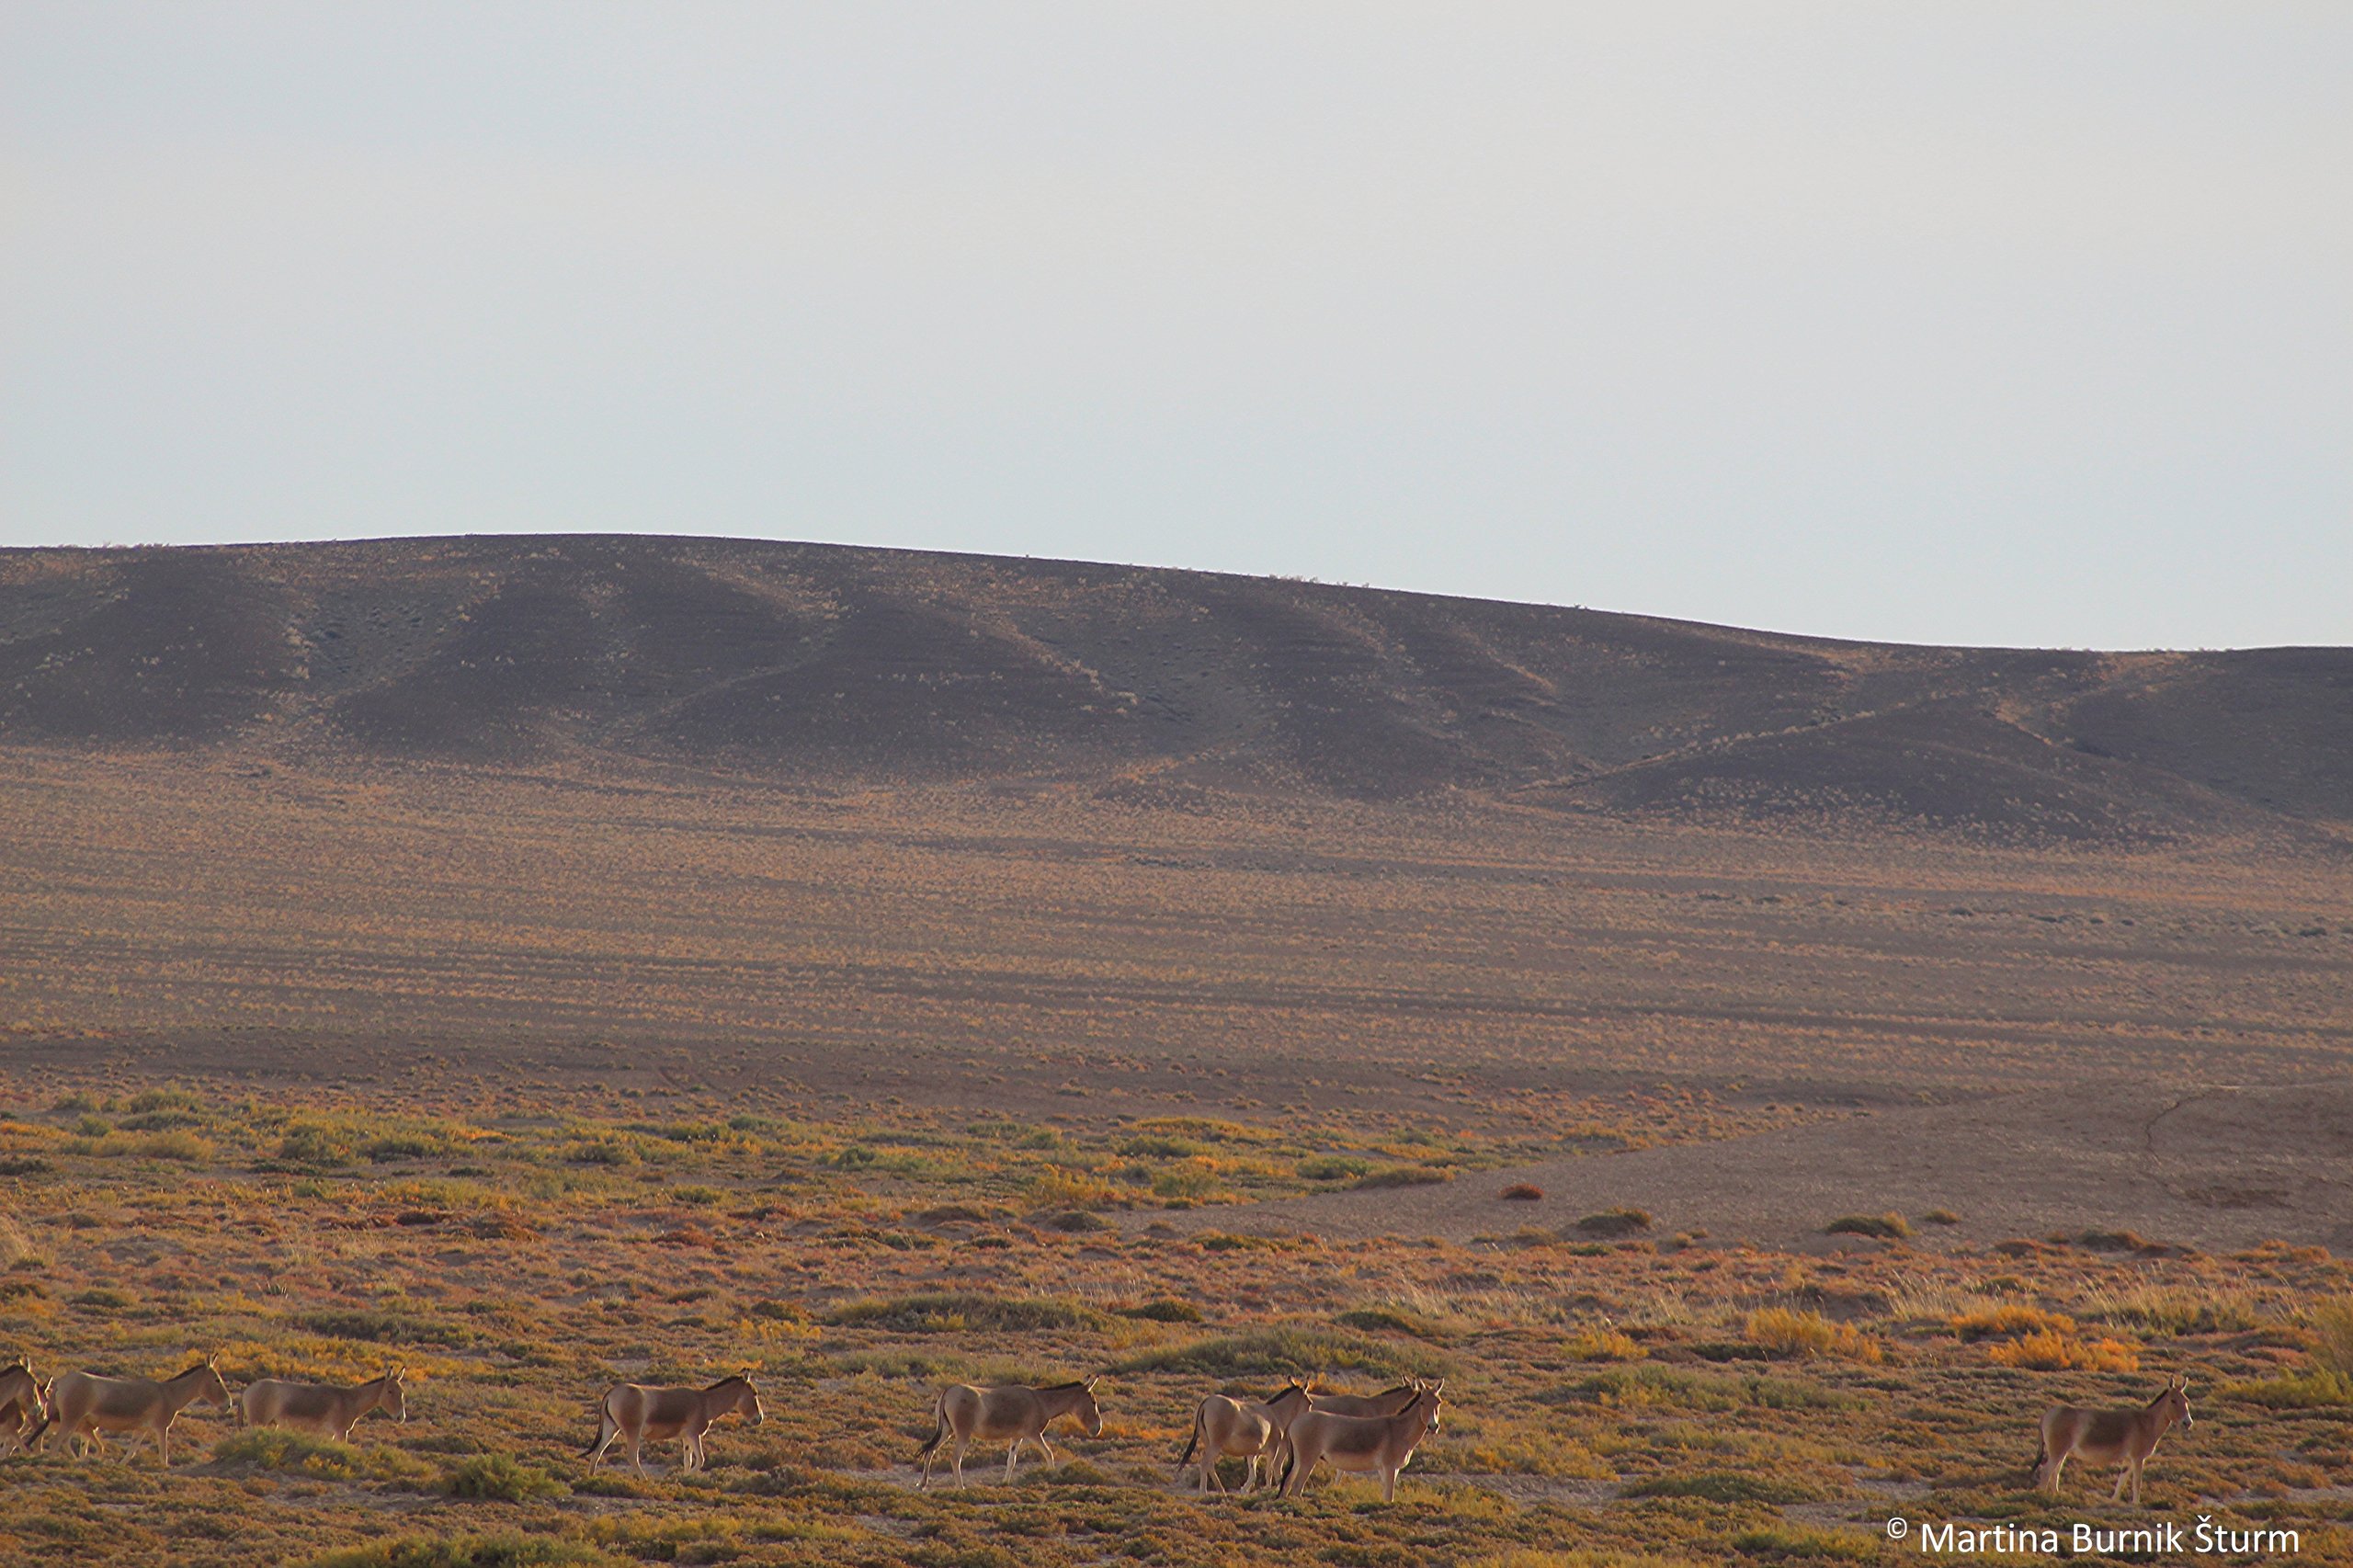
column 827, row 664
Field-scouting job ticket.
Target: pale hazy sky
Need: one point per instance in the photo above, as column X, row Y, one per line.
column 1977, row 322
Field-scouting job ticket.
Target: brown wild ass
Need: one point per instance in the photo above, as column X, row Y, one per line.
column 322, row 1409
column 633, row 1412
column 1005, row 1410
column 24, row 1405
column 1379, row 1443
column 1224, row 1428
column 1387, row 1402
column 2125, row 1437
column 83, row 1405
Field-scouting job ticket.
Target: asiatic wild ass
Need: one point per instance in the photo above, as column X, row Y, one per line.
column 2125, row 1437
column 969, row 1415
column 1226, row 1427
column 83, row 1405
column 1385, row 1444
column 636, row 1413
column 1387, row 1402
column 323, row 1410
column 24, row 1405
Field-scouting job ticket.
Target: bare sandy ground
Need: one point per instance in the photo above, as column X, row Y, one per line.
column 2219, row 1169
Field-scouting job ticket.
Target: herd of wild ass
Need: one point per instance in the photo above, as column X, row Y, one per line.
column 1288, row 1433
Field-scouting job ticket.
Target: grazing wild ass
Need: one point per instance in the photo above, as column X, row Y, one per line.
column 323, row 1410
column 1006, row 1410
column 83, row 1405
column 24, row 1405
column 2125, row 1437
column 635, row 1413
column 1224, row 1428
column 1376, row 1443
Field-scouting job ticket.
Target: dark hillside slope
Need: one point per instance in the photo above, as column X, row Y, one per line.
column 828, row 664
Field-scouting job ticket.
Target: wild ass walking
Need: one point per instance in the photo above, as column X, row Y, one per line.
column 83, row 1405
column 1224, row 1428
column 322, row 1409
column 1379, row 1443
column 24, row 1405
column 2125, row 1437
column 1006, row 1410
column 633, row 1412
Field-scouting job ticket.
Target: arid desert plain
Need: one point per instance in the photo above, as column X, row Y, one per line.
column 1759, row 1076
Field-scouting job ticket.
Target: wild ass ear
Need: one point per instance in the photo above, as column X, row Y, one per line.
column 1088, row 1382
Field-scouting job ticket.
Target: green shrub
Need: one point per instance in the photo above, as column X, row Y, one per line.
column 163, row 1102
column 603, row 1149
column 405, row 1146
column 1800, row 1540
column 310, row 1144
column 1616, row 1222
column 1653, row 1384
column 1287, row 1350
column 953, row 1311
column 1390, row 1320
column 274, row 1448
column 1332, row 1167
column 496, row 1478
column 1188, row 1180
column 2333, row 1336
column 1156, row 1146
column 384, row 1327
column 1724, row 1486
column 1401, row 1175
column 2316, row 1390
column 1165, row 1309
column 469, row 1552
column 1887, row 1227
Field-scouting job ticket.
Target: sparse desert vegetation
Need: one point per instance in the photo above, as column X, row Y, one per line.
column 1777, row 1403
column 1758, row 1074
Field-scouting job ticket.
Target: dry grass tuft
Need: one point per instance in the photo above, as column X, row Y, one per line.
column 2046, row 1350
column 1783, row 1331
column 2011, row 1321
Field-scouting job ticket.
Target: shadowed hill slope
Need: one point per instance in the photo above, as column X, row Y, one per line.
column 828, row 664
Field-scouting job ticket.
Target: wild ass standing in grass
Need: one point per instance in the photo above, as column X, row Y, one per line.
column 2125, row 1437
column 82, row 1405
column 1378, row 1443
column 1006, row 1410
column 633, row 1412
column 323, row 1410
column 24, row 1405
column 1224, row 1428
column 1387, row 1402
